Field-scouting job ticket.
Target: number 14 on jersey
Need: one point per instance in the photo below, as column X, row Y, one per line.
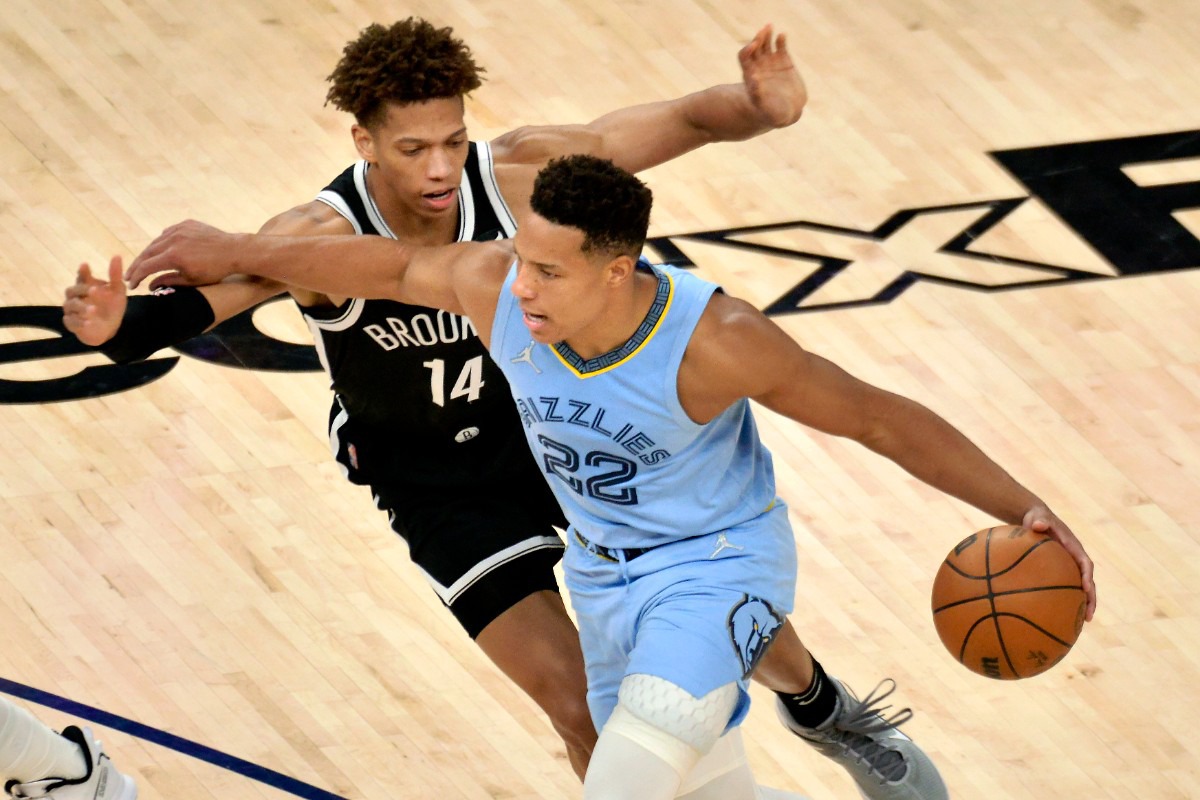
column 468, row 383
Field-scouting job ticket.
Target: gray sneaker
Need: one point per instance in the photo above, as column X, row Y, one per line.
column 102, row 782
column 885, row 763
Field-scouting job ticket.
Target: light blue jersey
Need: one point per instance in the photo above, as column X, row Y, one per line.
column 629, row 467
column 687, row 564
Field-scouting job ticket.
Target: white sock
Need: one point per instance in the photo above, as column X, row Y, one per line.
column 29, row 751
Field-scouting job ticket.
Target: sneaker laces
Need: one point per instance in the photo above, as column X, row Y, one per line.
column 857, row 727
column 31, row 789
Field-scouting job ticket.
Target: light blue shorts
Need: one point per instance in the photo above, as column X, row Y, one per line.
column 698, row 612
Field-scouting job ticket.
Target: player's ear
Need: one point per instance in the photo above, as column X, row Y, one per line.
column 620, row 269
column 364, row 142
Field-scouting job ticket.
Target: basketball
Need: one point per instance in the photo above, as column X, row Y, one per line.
column 1008, row 603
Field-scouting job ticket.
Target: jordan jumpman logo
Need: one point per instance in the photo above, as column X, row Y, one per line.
column 724, row 544
column 526, row 355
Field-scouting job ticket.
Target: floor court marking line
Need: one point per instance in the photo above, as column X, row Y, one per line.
column 169, row 740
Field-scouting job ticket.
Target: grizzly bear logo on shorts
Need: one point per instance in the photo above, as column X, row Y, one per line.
column 752, row 626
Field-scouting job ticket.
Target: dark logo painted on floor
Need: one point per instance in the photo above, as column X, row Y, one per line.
column 1087, row 186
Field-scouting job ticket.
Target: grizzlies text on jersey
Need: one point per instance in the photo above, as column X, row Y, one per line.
column 628, row 465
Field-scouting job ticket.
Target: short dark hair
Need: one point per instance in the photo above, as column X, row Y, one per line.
column 610, row 206
column 407, row 62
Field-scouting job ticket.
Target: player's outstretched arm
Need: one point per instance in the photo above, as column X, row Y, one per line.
column 126, row 329
column 95, row 310
column 464, row 278
column 771, row 95
column 129, row 329
column 738, row 352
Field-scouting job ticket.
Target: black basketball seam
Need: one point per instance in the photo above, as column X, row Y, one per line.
column 987, row 565
column 1006, row 593
column 1033, row 625
column 962, row 653
column 970, row 577
column 963, row 574
column 1023, row 556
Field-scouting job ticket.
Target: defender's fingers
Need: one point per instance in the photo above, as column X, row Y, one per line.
column 115, row 268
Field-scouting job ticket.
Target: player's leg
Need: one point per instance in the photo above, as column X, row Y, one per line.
column 885, row 763
column 655, row 737
column 37, row 762
column 489, row 552
column 536, row 645
column 724, row 774
column 787, row 666
column 685, row 633
column 643, row 770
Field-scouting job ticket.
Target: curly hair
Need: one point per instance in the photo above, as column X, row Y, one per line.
column 407, row 62
column 608, row 204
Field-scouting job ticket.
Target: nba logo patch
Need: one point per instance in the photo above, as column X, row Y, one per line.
column 353, row 454
column 752, row 627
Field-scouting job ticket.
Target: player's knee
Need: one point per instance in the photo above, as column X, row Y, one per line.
column 695, row 721
column 561, row 691
column 572, row 719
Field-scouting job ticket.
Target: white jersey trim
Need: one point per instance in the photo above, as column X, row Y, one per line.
column 335, row 201
column 487, row 171
column 335, row 427
column 373, row 212
column 466, row 210
column 450, row 593
column 350, row 316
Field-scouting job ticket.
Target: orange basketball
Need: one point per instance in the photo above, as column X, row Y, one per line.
column 1008, row 603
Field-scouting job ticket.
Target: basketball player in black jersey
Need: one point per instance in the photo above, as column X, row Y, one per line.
column 420, row 414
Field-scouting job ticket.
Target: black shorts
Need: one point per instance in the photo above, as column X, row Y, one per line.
column 481, row 528
column 483, row 547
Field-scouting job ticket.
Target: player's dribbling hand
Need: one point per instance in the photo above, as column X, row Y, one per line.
column 188, row 253
column 772, row 80
column 1042, row 520
column 93, row 308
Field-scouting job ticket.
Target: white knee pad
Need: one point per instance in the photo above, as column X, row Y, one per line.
column 696, row 721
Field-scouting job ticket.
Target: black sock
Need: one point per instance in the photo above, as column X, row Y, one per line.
column 816, row 703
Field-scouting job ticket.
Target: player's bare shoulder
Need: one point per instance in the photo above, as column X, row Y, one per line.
column 313, row 218
column 726, row 331
column 518, row 155
column 536, row 144
column 735, row 352
column 479, row 272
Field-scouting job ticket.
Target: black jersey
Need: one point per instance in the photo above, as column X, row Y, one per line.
column 416, row 397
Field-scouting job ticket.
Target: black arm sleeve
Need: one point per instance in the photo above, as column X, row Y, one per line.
column 154, row 321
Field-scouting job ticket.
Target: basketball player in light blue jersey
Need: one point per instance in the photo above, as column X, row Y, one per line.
column 681, row 539
column 633, row 384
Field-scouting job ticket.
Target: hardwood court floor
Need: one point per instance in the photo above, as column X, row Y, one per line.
column 185, row 554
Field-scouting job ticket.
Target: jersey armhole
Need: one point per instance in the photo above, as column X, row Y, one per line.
column 500, row 322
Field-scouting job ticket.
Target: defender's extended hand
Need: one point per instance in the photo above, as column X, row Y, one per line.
column 188, row 253
column 93, row 308
column 771, row 79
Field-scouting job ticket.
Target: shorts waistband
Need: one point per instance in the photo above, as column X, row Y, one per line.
column 611, row 553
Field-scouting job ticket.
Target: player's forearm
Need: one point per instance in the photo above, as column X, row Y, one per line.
column 723, row 114
column 934, row 451
column 152, row 322
column 350, row 266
